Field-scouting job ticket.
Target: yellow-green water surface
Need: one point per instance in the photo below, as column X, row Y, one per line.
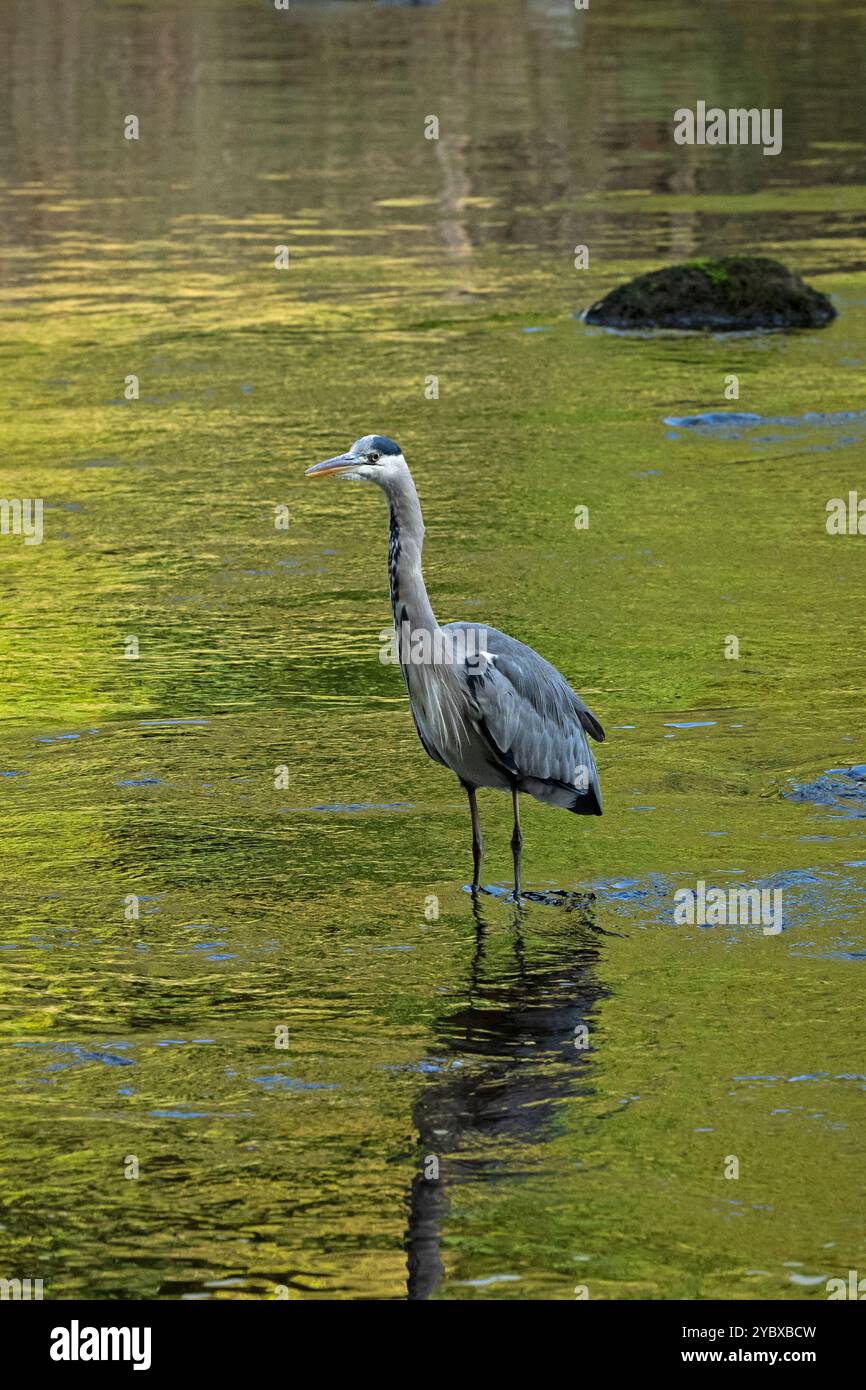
column 298, row 907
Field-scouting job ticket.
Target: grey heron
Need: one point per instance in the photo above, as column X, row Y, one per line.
column 484, row 705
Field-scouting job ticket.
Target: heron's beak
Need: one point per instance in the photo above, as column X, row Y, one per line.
column 341, row 464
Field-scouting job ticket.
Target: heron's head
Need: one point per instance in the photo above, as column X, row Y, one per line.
column 373, row 458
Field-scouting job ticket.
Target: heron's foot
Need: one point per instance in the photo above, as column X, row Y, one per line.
column 475, row 890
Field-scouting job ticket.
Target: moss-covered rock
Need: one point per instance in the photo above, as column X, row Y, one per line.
column 728, row 295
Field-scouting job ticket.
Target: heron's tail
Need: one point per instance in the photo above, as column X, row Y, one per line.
column 583, row 802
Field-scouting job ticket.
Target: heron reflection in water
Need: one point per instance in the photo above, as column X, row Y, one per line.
column 515, row 1040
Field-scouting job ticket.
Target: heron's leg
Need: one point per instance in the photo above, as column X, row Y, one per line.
column 477, row 842
column 516, row 843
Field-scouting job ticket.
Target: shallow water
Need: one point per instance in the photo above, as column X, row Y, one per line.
column 148, row 784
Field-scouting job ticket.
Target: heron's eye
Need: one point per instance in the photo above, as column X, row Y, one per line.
column 373, row 457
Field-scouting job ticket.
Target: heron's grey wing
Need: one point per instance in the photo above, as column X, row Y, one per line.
column 532, row 676
column 533, row 720
column 527, row 671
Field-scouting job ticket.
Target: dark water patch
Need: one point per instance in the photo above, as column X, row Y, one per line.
column 276, row 1081
column 168, row 723
column 196, row 1114
column 807, row 895
column 738, row 425
column 770, row 1079
column 565, row 899
column 807, row 1281
column 343, row 807
column 210, row 950
column 841, row 789
column 485, row 1281
column 428, row 1066
column 82, row 1054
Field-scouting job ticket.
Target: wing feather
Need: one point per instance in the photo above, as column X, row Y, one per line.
column 534, row 722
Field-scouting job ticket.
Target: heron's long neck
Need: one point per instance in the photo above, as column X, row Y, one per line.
column 409, row 599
